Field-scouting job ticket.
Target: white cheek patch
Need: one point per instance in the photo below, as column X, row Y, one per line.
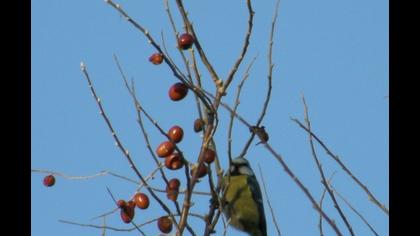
column 245, row 170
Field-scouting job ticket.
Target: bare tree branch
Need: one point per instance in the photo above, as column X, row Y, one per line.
column 344, row 167
column 273, row 216
column 244, row 47
column 320, row 204
column 303, row 188
column 321, row 172
column 354, row 210
column 120, row 145
column 269, row 79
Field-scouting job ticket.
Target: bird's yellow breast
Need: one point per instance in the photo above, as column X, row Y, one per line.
column 241, row 207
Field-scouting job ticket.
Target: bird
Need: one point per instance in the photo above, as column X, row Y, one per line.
column 261, row 133
column 242, row 201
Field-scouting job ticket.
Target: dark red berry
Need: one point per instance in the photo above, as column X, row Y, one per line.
column 178, row 91
column 49, row 180
column 176, row 134
column 185, row 41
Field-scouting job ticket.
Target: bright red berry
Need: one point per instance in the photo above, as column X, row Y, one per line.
column 165, row 149
column 141, row 200
column 156, row 58
column 165, row 224
column 178, row 91
column 49, row 180
column 173, row 161
column 176, row 134
column 185, row 41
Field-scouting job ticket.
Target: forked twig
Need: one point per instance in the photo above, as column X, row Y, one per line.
column 145, row 135
column 344, row 167
column 244, row 47
column 120, row 145
column 235, row 107
column 354, row 210
column 273, row 216
column 321, row 171
column 303, row 188
column 269, row 79
column 320, row 205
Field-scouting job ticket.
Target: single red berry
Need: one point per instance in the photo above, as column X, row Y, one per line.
column 176, row 134
column 173, row 161
column 172, row 194
column 121, row 203
column 209, row 155
column 172, row 189
column 156, row 58
column 165, row 149
column 178, row 91
column 174, row 183
column 141, row 200
column 202, row 170
column 185, row 41
column 49, row 180
column 198, row 125
column 127, row 213
column 165, row 224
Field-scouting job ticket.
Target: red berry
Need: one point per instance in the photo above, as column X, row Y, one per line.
column 176, row 134
column 131, row 204
column 172, row 189
column 173, row 161
column 127, row 212
column 165, row 149
column 185, row 41
column 178, row 91
column 141, row 200
column 202, row 170
column 209, row 155
column 49, row 180
column 198, row 125
column 165, row 224
column 156, row 58
column 174, row 183
column 127, row 215
column 121, row 203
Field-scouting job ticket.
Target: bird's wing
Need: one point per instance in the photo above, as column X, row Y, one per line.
column 256, row 194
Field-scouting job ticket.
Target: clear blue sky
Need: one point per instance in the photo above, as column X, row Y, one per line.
column 334, row 52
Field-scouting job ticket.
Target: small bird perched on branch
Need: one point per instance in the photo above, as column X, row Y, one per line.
column 243, row 204
column 260, row 132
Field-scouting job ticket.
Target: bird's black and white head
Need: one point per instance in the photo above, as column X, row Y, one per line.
column 240, row 166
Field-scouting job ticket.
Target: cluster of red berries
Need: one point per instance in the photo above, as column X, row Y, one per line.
column 166, row 149
column 179, row 90
column 127, row 212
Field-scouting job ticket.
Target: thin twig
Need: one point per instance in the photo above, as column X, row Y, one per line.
column 190, row 29
column 227, row 107
column 269, row 78
column 104, row 229
column 321, row 172
column 244, row 47
column 115, row 202
column 273, row 216
column 98, row 226
column 172, row 66
column 120, row 145
column 140, row 122
column 354, row 210
column 122, row 229
column 235, row 107
column 320, row 205
column 303, row 188
column 344, row 167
